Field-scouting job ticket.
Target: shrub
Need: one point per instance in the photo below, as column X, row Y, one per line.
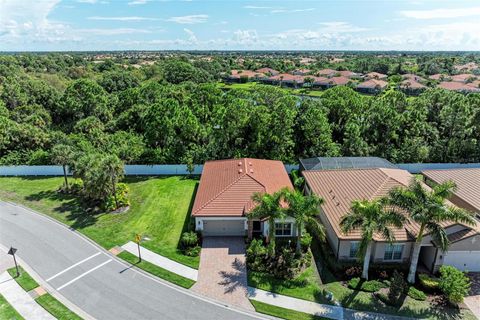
column 122, row 198
column 429, row 283
column 416, row 294
column 76, row 186
column 193, row 251
column 397, row 288
column 189, row 239
column 454, row 284
column 368, row 286
column 306, row 241
column 353, row 272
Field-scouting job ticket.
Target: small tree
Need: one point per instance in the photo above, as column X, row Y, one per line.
column 454, row 284
column 397, row 288
column 113, row 167
column 62, row 155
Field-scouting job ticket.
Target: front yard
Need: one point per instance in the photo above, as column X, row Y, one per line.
column 159, row 211
column 309, row 286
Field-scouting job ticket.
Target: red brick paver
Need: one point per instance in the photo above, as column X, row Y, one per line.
column 222, row 274
column 473, row 299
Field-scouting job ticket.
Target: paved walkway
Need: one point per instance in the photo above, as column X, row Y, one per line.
column 161, row 261
column 21, row 300
column 223, row 272
column 473, row 300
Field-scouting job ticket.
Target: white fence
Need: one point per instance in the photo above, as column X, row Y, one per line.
column 180, row 169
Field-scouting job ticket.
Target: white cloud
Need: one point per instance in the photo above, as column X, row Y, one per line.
column 442, row 13
column 191, row 19
column 137, row 2
column 291, row 11
column 257, row 7
column 340, row 27
column 191, row 35
column 87, row 1
column 128, row 18
column 111, row 32
column 246, row 37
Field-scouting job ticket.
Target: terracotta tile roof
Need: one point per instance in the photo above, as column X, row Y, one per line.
column 467, row 180
column 271, row 71
column 301, row 71
column 347, row 73
column 438, row 76
column 321, row 80
column 237, row 74
column 412, row 77
column 326, row 72
column 340, row 81
column 464, row 77
column 376, row 75
column 373, row 84
column 226, row 186
column 340, row 187
column 457, row 86
column 475, row 84
column 287, row 77
column 411, row 84
column 462, row 234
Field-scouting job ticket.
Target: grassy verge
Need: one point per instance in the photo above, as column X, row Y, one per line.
column 24, row 280
column 282, row 312
column 157, row 271
column 56, row 308
column 160, row 211
column 7, row 311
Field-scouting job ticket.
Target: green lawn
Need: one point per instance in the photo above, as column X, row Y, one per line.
column 282, row 312
column 24, row 280
column 307, row 286
column 159, row 210
column 157, row 271
column 56, row 308
column 7, row 312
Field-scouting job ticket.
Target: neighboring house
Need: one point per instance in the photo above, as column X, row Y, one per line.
column 224, row 197
column 467, row 195
column 301, row 72
column 348, row 74
column 286, row 79
column 268, row 71
column 372, row 86
column 412, row 77
column 464, row 77
column 412, row 87
column 247, row 75
column 470, row 66
column 340, row 81
column 458, row 86
column 439, row 77
column 326, row 73
column 376, row 75
column 340, row 187
column 327, row 163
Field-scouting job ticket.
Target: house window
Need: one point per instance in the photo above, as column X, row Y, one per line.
column 354, row 249
column 393, row 252
column 283, row 229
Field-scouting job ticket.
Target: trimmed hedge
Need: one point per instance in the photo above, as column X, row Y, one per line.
column 429, row 283
column 368, row 286
column 416, row 294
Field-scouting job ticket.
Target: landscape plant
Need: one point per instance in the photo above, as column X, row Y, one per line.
column 454, row 284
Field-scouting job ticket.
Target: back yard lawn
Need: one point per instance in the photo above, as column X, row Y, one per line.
column 308, row 286
column 160, row 211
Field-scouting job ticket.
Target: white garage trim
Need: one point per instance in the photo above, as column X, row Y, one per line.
column 463, row 260
column 221, row 226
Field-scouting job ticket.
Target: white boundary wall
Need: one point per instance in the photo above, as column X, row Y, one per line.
column 180, row 169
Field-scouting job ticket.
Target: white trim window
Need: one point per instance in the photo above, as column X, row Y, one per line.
column 393, row 252
column 354, row 246
column 283, row 229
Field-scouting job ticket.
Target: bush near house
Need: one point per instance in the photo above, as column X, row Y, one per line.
column 284, row 263
column 454, row 284
column 397, row 288
column 368, row 286
column 190, row 244
column 122, row 198
column 428, row 283
column 416, row 294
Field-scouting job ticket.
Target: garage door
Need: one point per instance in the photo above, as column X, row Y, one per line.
column 223, row 228
column 463, row 260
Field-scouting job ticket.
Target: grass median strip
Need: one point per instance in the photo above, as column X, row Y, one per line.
column 156, row 271
column 7, row 311
column 56, row 308
column 24, row 280
column 282, row 312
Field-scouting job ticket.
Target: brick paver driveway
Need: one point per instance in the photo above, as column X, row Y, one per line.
column 222, row 274
column 473, row 300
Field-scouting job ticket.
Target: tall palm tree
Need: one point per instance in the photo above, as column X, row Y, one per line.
column 268, row 207
column 370, row 217
column 114, row 168
column 429, row 210
column 304, row 209
column 63, row 155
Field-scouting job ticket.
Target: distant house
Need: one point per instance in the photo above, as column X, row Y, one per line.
column 376, row 76
column 464, row 77
column 412, row 77
column 412, row 87
column 326, row 73
column 286, row 79
column 348, row 74
column 224, row 197
column 439, row 77
column 340, row 187
column 268, row 71
column 340, row 81
column 301, row 72
column 458, row 87
column 372, row 86
column 470, row 66
column 244, row 76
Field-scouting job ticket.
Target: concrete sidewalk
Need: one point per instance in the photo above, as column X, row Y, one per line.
column 21, row 300
column 161, row 261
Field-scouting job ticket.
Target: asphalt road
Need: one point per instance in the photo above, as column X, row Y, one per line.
column 95, row 281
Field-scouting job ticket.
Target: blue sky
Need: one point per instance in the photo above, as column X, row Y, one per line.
column 234, row 24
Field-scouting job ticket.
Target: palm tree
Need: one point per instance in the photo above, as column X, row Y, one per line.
column 304, row 209
column 370, row 217
column 62, row 154
column 428, row 209
column 268, row 206
column 113, row 167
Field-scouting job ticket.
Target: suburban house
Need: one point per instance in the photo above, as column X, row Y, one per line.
column 464, row 77
column 326, row 73
column 301, row 72
column 412, row 77
column 439, row 77
column 372, row 86
column 267, row 71
column 339, row 187
column 244, row 75
column 286, row 79
column 224, row 197
column 376, row 75
column 458, row 86
column 467, row 195
column 348, row 74
column 412, row 87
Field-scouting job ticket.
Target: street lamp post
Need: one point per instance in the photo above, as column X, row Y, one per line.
column 12, row 253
